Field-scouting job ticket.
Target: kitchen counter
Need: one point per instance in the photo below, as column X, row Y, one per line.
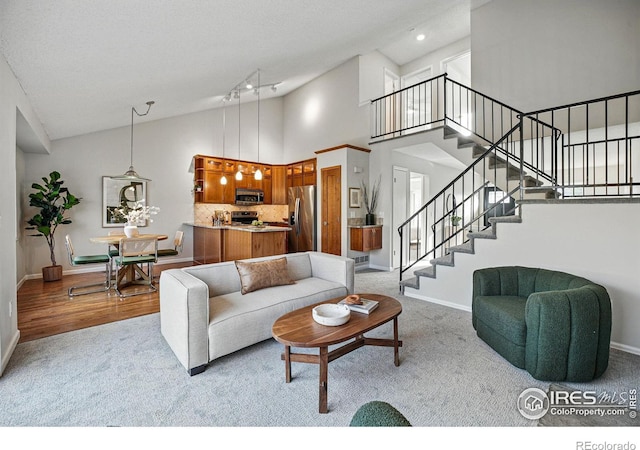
column 212, row 244
column 249, row 228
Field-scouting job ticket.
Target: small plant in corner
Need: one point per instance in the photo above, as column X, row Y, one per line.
column 371, row 202
column 455, row 220
column 53, row 201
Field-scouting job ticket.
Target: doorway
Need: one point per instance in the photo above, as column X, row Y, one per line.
column 400, row 212
column 410, row 193
column 331, row 210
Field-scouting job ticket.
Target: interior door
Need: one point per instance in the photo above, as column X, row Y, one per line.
column 400, row 211
column 331, row 210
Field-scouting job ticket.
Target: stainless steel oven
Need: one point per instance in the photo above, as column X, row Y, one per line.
column 249, row 196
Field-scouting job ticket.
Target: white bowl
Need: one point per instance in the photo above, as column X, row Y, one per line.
column 331, row 314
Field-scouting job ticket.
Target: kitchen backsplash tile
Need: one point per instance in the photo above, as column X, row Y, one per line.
column 203, row 212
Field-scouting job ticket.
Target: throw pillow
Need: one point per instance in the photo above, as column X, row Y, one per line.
column 263, row 274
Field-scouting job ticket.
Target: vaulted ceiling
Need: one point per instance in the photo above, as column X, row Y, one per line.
column 83, row 65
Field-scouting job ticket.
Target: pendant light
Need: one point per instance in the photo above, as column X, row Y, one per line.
column 258, row 174
column 223, row 179
column 131, row 174
column 239, row 172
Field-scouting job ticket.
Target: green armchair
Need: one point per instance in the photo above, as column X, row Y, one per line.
column 378, row 414
column 555, row 325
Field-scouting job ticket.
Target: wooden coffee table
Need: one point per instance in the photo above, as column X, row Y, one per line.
column 298, row 329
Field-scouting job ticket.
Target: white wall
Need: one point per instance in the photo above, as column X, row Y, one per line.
column 21, row 267
column 12, row 99
column 534, row 55
column 435, row 58
column 163, row 150
column 595, row 241
column 372, row 67
column 325, row 113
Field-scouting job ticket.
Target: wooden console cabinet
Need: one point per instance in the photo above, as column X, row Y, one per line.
column 366, row 238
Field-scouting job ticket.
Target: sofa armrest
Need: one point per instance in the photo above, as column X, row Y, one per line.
column 568, row 333
column 333, row 268
column 184, row 317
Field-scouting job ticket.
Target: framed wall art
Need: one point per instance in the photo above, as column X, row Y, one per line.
column 354, row 197
column 119, row 194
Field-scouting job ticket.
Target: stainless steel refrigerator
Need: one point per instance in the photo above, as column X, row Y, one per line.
column 302, row 218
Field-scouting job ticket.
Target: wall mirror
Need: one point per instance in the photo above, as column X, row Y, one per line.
column 118, row 194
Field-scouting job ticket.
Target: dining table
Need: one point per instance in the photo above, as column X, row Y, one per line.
column 128, row 273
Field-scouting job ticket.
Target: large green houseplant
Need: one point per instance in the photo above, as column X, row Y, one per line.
column 53, row 201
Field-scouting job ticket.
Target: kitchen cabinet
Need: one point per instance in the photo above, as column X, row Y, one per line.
column 207, row 245
column 279, row 185
column 366, row 238
column 230, row 243
column 267, row 183
column 209, row 170
column 309, row 172
column 302, row 173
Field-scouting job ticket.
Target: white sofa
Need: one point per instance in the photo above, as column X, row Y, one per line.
column 204, row 315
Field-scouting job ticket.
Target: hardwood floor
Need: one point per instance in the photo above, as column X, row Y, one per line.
column 45, row 309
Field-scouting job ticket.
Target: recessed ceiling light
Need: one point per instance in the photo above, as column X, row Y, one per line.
column 420, row 37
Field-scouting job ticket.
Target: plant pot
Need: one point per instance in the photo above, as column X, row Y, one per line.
column 370, row 219
column 131, row 231
column 52, row 273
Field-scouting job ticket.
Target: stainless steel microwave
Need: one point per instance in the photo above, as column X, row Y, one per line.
column 249, row 196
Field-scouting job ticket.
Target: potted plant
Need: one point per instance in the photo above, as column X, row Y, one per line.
column 455, row 220
column 371, row 202
column 53, row 200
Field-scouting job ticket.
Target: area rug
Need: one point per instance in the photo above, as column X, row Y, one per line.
column 123, row 374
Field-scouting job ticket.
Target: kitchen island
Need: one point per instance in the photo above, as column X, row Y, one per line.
column 218, row 243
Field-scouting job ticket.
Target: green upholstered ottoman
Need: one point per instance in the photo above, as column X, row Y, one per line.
column 555, row 325
column 378, row 414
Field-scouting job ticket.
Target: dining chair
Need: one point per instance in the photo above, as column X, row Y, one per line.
column 82, row 260
column 113, row 250
column 133, row 255
column 177, row 246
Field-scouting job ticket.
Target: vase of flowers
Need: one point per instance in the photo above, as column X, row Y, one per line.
column 137, row 215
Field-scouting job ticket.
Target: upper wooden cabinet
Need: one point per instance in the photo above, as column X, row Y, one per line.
column 302, row 173
column 209, row 170
column 279, row 185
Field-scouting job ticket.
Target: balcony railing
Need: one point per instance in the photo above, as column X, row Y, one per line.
column 587, row 149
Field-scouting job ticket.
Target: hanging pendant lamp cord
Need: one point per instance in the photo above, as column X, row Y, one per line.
column 133, row 109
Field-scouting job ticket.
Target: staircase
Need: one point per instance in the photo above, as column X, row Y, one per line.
column 555, row 154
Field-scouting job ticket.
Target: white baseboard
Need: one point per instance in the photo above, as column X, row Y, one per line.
column 383, row 268
column 615, row 345
column 438, row 302
column 12, row 346
column 625, row 348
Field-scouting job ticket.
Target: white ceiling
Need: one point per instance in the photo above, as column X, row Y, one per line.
column 83, row 65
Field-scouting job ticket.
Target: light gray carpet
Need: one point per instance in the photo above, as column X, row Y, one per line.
column 124, row 374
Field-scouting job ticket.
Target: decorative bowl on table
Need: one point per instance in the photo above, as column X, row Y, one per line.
column 331, row 314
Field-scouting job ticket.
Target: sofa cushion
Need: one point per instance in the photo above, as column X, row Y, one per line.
column 237, row 321
column 263, row 274
column 505, row 315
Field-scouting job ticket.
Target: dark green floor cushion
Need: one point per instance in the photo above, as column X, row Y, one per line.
column 378, row 414
column 555, row 325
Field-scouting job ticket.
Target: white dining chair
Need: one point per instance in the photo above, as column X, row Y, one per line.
column 133, row 255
